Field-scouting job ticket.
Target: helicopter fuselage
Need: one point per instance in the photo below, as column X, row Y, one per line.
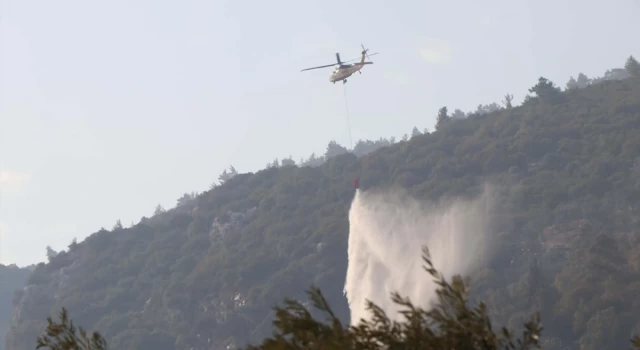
column 342, row 72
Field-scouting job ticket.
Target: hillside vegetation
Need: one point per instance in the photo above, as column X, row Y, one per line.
column 205, row 274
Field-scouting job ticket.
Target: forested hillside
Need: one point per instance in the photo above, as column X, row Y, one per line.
column 12, row 278
column 205, row 274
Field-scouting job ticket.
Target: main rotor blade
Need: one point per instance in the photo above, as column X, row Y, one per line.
column 328, row 65
column 356, row 59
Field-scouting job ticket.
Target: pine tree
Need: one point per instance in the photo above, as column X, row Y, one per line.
column 572, row 84
column 159, row 210
column 633, row 67
column 51, row 253
column 442, row 118
column 334, row 149
column 507, row 101
column 583, row 81
column 63, row 336
column 546, row 90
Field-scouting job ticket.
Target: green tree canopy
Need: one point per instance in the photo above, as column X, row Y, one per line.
column 546, row 90
column 633, row 67
column 442, row 118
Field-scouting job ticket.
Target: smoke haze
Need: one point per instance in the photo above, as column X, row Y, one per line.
column 387, row 230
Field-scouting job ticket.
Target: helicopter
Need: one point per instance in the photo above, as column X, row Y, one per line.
column 343, row 70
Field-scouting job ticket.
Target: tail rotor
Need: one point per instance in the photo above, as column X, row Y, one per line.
column 364, row 51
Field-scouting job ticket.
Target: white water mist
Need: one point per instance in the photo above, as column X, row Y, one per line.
column 387, row 230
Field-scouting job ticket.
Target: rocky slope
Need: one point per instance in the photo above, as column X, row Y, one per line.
column 12, row 279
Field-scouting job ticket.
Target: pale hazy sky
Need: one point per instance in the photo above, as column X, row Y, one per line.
column 108, row 108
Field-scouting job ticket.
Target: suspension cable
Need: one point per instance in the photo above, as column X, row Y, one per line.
column 348, row 121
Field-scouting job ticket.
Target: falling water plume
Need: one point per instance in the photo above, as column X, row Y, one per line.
column 387, row 230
